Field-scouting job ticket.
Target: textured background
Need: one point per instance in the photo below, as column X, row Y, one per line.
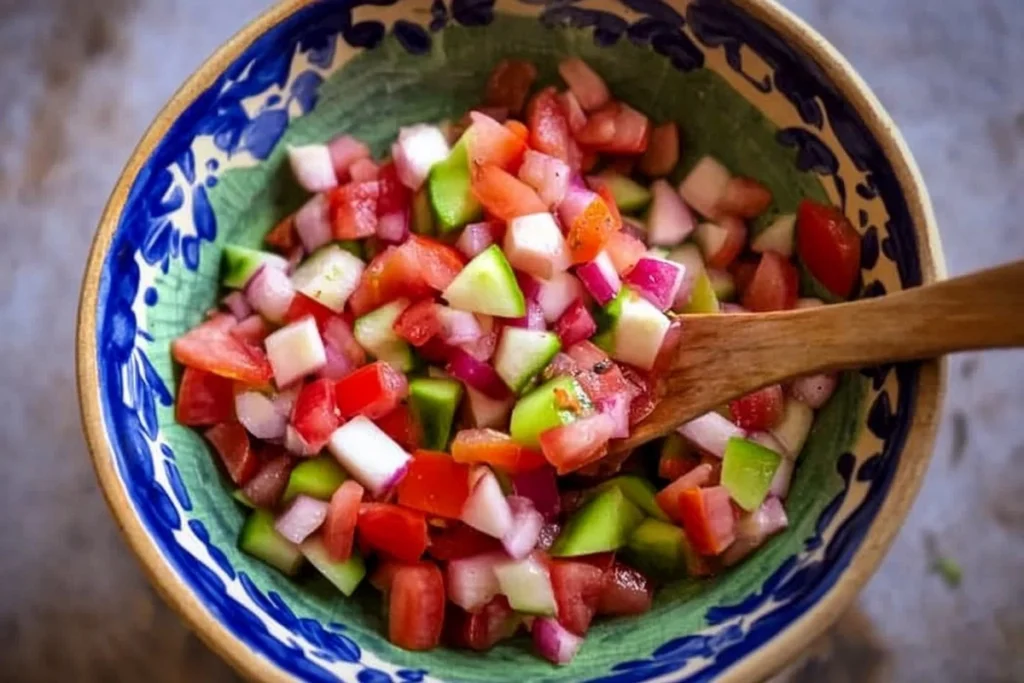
column 82, row 78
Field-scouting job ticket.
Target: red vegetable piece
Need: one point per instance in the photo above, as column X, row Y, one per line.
column 576, row 324
column 494, row 448
column 435, row 484
column 416, row 607
column 303, row 305
column 549, row 128
column 438, row 263
column 459, row 541
column 742, row 271
column 668, row 498
column 577, row 444
column 384, row 575
column 315, row 415
column 342, row 517
column 393, row 273
column 353, row 210
column 395, row 531
column 577, row 587
column 829, row 246
column 212, row 348
column 392, row 195
column 592, row 228
column 483, row 629
column 418, row 323
column 509, row 84
column 373, row 390
column 759, row 411
column 204, row 399
column 231, row 442
column 625, row 592
column 401, row 426
column 735, row 238
column 266, row 487
column 744, row 197
column 774, row 287
column 282, row 238
column 492, row 143
column 624, row 251
column 707, row 518
column 662, row 153
column 505, row 196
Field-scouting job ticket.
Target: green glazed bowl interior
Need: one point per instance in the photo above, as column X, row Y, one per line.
column 213, row 171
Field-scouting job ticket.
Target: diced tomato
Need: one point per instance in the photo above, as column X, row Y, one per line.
column 252, row 331
column 460, row 540
column 744, row 197
column 759, row 411
column 671, row 466
column 577, row 444
column 416, row 609
column 577, row 587
column 401, row 425
column 775, row 284
column 268, row 484
column 373, row 390
column 494, row 144
column 384, row 575
column 212, row 348
column 591, row 229
column 742, row 271
column 393, row 273
column 624, row 250
column 616, row 128
column 395, row 531
column 496, row 449
column 315, row 416
column 626, row 591
column 829, row 246
column 504, row 195
column 418, row 323
column 483, row 629
column 438, row 263
column 509, row 84
column 435, row 484
column 353, row 210
column 283, row 238
column 549, row 129
column 303, row 305
column 668, row 498
column 600, row 377
column 649, row 389
column 392, row 195
column 599, row 130
column 231, row 442
column 518, row 129
column 342, row 517
column 588, row 160
column 735, row 238
column 436, row 351
column 204, row 399
column 609, row 200
column 707, row 518
column 574, row 114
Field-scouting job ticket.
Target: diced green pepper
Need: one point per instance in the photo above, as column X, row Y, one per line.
column 747, row 472
column 317, row 478
column 603, row 524
column 541, row 409
column 433, row 403
column 638, row 490
column 657, row 548
column 260, row 539
column 450, row 188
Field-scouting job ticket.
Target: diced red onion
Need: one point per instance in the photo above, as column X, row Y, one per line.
column 235, row 303
column 577, row 199
column 458, row 327
column 529, row 285
column 710, row 432
column 418, row 148
column 477, row 374
column 270, row 293
column 363, row 170
column 534, row 244
column 669, row 221
column 588, row 87
column 533, row 320
column 338, row 334
column 312, row 223
column 616, row 407
column 475, row 238
column 345, row 150
column 486, row 509
column 814, row 390
column 553, row 641
column 258, row 415
column 338, row 364
column 557, row 294
column 546, row 174
column 312, row 167
column 541, row 488
column 295, row 444
column 265, row 489
column 295, row 257
column 575, row 325
column 600, row 278
column 486, row 412
column 302, row 518
column 369, row 455
column 499, row 114
column 471, row 581
column 393, row 227
column 522, row 536
column 657, row 280
column 705, row 185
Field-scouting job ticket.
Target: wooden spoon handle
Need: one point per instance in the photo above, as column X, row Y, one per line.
column 978, row 311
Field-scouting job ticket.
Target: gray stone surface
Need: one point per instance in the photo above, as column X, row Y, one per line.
column 82, row 78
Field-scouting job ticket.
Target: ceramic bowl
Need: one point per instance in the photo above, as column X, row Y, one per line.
column 746, row 80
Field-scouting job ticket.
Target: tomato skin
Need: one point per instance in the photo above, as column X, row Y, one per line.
column 459, row 541
column 353, row 210
column 438, row 264
column 392, row 195
column 418, row 323
column 395, row 531
column 282, row 238
column 668, row 498
column 549, row 129
column 577, row 444
column 616, row 128
column 416, row 607
column 671, row 466
column 402, row 427
column 303, row 305
column 509, row 84
column 503, row 195
column 231, row 442
column 625, row 592
column 494, row 448
column 435, row 484
column 204, row 399
column 342, row 517
column 483, row 629
column 391, row 274
column 829, row 246
column 492, row 143
column 373, row 390
column 758, row 411
column 774, row 286
column 212, row 348
column 577, row 587
column 315, row 415
column 707, row 519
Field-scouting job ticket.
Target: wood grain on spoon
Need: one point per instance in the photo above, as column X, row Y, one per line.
column 724, row 356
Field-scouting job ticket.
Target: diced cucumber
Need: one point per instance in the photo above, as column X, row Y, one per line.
column 637, row 328
column 522, row 353
column 434, row 402
column 260, row 539
column 702, row 297
column 317, row 478
column 239, row 496
column 375, row 333
column 630, row 196
column 422, row 214
column 329, row 275
column 656, row 548
column 722, row 284
column 688, row 255
column 778, row 237
column 487, row 285
column 450, row 188
column 527, row 585
column 238, row 264
column 638, row 490
column 541, row 409
column 345, row 576
column 747, row 472
column 603, row 524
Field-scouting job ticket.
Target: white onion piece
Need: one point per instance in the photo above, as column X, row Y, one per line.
column 556, row 295
column 617, row 408
column 486, row 509
column 600, row 278
column 669, row 221
column 312, row 223
column 369, row 455
column 418, row 148
column 814, row 390
column 302, row 518
column 284, row 401
column 270, row 293
column 553, row 641
column 237, row 305
column 534, row 244
column 704, row 186
column 471, row 581
column 258, row 415
column 754, row 528
column 710, row 432
column 294, row 351
column 312, row 167
column 458, row 327
column 525, row 530
column 547, row 174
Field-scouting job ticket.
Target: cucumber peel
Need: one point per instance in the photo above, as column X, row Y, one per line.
column 238, row 264
column 488, row 286
column 317, row 478
column 260, row 539
column 422, row 214
column 449, row 187
column 540, row 410
column 656, row 548
column 601, row 525
column 433, row 402
column 375, row 333
column 629, row 196
column 702, row 298
column 747, row 472
column 638, row 490
column 345, row 576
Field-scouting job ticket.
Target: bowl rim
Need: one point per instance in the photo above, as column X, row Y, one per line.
column 760, row 664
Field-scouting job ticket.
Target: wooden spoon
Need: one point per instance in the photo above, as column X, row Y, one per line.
column 722, row 357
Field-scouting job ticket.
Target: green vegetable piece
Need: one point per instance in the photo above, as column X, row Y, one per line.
column 540, row 410
column 703, row 298
column 522, row 354
column 449, row 187
column 603, row 524
column 422, row 214
column 747, row 472
column 434, row 402
column 317, row 478
column 260, row 539
column 630, row 196
column 239, row 497
column 632, row 329
column 656, row 548
column 345, row 576
column 638, row 490
column 353, row 247
column 488, row 286
column 375, row 333
column 238, row 264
